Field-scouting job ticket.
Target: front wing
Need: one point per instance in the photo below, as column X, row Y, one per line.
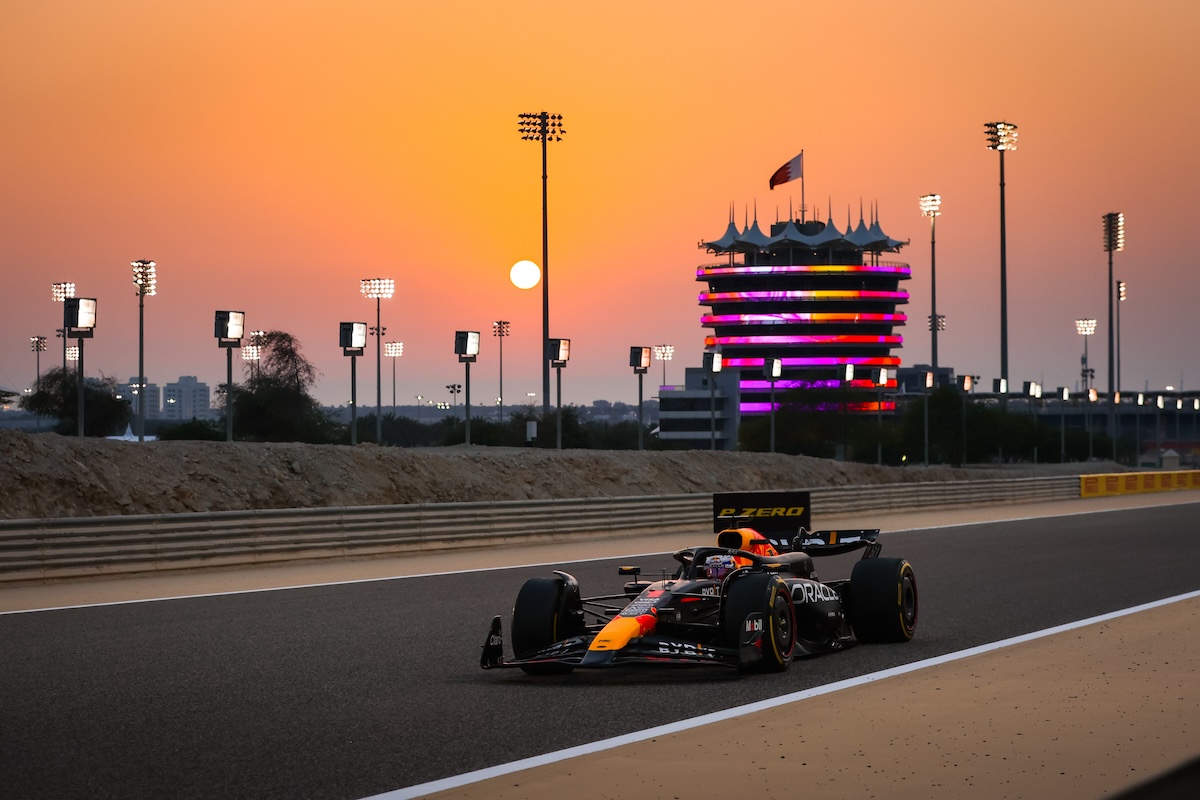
column 574, row 652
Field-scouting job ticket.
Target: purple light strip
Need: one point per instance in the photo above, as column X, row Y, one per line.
column 765, row 408
column 757, row 385
column 782, row 385
column 800, row 317
column 784, row 269
column 709, row 298
column 809, row 340
column 818, row 361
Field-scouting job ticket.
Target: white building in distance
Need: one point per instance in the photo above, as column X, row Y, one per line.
column 186, row 399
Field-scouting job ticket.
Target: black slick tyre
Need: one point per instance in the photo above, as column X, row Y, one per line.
column 542, row 616
column 760, row 601
column 883, row 600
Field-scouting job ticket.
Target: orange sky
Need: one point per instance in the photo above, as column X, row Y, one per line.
column 269, row 157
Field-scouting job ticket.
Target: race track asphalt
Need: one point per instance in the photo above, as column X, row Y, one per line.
column 350, row 690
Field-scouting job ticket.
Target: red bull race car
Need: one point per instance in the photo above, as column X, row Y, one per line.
column 741, row 603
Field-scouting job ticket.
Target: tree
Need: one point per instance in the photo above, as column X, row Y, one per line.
column 274, row 404
column 193, row 430
column 104, row 414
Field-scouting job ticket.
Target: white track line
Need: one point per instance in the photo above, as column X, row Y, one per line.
column 457, row 781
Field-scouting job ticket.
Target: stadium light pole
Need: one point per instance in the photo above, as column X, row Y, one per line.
column 1137, row 429
column 38, row 345
column 772, row 369
column 1114, row 241
column 1158, row 407
column 79, row 322
column 559, row 351
column 378, row 289
column 500, row 331
column 931, row 205
column 879, row 377
column 1002, row 136
column 252, row 351
column 966, row 384
column 145, row 281
column 229, row 327
column 928, row 379
column 712, row 365
column 543, row 127
column 1122, row 294
column 639, row 359
column 74, row 354
column 466, row 347
column 393, row 350
column 1085, row 328
column 1064, row 394
column 61, row 291
column 664, row 353
column 352, row 338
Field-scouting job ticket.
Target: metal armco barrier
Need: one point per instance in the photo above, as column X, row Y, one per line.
column 60, row 548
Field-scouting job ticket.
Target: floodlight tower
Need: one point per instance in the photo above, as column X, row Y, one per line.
column 931, row 205
column 61, row 292
column 664, row 353
column 378, row 289
column 1085, row 328
column 393, row 350
column 38, row 345
column 543, row 127
column 500, row 330
column 146, row 282
column 252, row 352
column 1114, row 241
column 1002, row 136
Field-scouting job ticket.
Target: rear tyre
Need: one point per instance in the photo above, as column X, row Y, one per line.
column 883, row 600
column 542, row 615
column 765, row 598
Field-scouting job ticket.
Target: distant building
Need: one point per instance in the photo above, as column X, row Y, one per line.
column 911, row 380
column 153, row 397
column 814, row 297
column 186, row 399
column 690, row 413
column 817, row 298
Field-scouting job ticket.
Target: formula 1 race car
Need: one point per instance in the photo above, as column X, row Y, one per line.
column 741, row 604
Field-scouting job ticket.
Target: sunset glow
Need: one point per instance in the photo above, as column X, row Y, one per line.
column 267, row 156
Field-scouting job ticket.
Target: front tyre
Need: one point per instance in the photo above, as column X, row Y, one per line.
column 883, row 600
column 542, row 615
column 759, row 619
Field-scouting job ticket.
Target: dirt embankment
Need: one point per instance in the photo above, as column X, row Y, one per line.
column 56, row 476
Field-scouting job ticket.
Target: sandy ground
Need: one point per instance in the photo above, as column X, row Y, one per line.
column 1006, row 724
column 50, row 476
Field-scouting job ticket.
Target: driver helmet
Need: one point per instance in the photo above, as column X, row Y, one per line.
column 717, row 567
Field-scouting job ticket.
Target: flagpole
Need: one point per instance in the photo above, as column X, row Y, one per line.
column 803, row 208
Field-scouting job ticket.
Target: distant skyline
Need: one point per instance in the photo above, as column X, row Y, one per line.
column 268, row 156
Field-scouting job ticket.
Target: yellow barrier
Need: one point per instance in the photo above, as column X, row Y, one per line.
column 1137, row 482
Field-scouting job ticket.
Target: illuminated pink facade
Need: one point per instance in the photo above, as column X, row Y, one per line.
column 810, row 295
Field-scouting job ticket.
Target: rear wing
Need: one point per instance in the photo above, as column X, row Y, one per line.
column 832, row 543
